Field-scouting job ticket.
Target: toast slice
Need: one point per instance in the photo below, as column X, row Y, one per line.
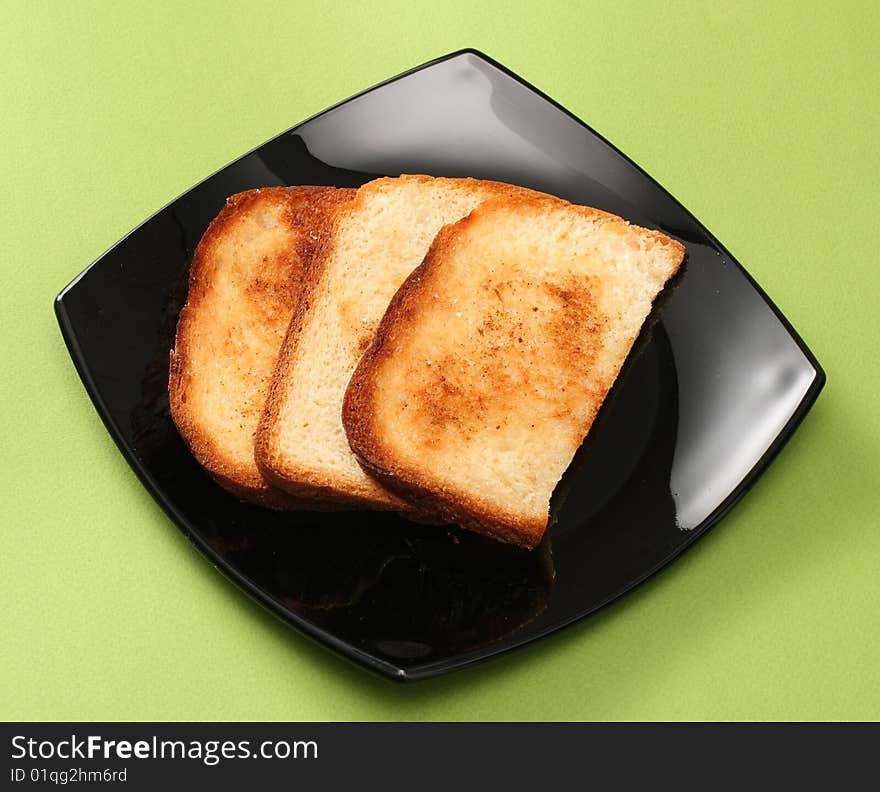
column 495, row 355
column 244, row 283
column 375, row 243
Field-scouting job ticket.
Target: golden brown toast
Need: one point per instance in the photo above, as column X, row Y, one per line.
column 245, row 281
column 376, row 241
column 495, row 355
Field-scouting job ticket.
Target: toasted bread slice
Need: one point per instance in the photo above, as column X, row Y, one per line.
column 495, row 355
column 244, row 283
column 376, row 242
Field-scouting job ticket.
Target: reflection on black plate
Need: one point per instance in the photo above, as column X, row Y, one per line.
column 716, row 383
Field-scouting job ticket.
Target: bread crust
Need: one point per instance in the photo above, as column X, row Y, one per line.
column 303, row 210
column 292, row 479
column 285, row 473
column 361, row 402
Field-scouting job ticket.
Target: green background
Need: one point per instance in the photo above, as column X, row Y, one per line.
column 761, row 118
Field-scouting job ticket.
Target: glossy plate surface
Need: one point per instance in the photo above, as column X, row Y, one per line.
column 716, row 383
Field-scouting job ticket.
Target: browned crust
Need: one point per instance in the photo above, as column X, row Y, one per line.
column 292, row 479
column 303, row 482
column 359, row 405
column 307, row 207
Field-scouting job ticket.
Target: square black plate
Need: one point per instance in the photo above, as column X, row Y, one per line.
column 716, row 383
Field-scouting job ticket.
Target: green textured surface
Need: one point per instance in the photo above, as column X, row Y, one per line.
column 761, row 118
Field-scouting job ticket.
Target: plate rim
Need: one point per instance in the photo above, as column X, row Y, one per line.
column 386, row 669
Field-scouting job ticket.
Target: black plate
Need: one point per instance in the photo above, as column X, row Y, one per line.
column 716, row 383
